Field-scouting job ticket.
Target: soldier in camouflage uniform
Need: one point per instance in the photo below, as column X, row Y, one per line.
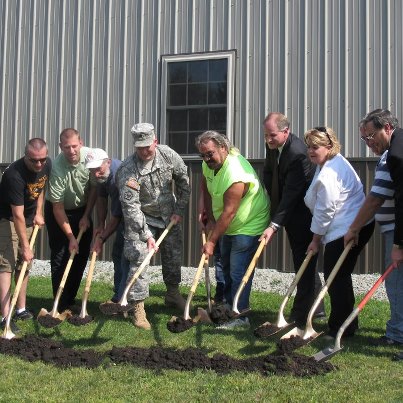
column 145, row 181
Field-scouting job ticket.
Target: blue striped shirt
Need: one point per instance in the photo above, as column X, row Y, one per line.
column 383, row 188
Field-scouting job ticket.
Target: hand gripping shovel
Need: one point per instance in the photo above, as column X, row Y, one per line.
column 122, row 305
column 247, row 275
column 53, row 318
column 309, row 333
column 177, row 325
column 329, row 352
column 84, row 318
column 7, row 333
column 268, row 329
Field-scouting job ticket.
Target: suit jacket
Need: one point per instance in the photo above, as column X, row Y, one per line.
column 394, row 162
column 295, row 175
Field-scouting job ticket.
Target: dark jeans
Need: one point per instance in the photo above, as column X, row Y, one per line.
column 219, row 275
column 341, row 290
column 59, row 255
column 121, row 265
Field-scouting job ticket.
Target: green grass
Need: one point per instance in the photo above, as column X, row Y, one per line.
column 365, row 373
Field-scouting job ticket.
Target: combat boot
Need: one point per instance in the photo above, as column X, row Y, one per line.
column 139, row 316
column 173, row 297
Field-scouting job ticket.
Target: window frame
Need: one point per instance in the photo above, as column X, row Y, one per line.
column 230, row 55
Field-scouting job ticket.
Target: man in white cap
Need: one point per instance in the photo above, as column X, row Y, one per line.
column 103, row 170
column 145, row 181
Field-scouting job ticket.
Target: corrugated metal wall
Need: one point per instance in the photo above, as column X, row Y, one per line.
column 95, row 65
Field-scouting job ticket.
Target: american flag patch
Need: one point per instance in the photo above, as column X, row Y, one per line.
column 133, row 184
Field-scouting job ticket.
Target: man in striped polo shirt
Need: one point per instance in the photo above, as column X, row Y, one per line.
column 381, row 204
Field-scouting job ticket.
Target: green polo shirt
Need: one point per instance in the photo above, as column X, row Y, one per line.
column 69, row 184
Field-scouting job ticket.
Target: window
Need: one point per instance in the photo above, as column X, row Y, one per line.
column 197, row 95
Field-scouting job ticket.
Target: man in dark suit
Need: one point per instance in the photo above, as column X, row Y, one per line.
column 287, row 174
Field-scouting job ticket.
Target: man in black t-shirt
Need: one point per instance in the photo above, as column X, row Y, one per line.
column 22, row 193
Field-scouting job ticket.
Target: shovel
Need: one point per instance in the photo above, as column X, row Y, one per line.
column 84, row 318
column 7, row 333
column 309, row 333
column 329, row 352
column 246, row 276
column 53, row 318
column 269, row 329
column 207, row 276
column 122, row 305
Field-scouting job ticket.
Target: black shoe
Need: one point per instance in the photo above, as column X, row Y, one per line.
column 386, row 341
column 14, row 328
column 26, row 314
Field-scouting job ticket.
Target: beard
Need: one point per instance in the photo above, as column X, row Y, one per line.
column 104, row 177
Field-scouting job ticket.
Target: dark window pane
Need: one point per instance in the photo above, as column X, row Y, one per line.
column 177, row 72
column 178, row 141
column 198, row 71
column 217, row 93
column 192, row 149
column 197, row 94
column 177, row 95
column 218, row 70
column 177, row 120
column 217, row 118
column 198, row 119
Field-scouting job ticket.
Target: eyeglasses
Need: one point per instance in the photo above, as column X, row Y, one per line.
column 323, row 130
column 35, row 161
column 208, row 155
column 369, row 137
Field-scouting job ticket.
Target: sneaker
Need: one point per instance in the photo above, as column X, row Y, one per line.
column 14, row 328
column 386, row 341
column 26, row 314
column 239, row 322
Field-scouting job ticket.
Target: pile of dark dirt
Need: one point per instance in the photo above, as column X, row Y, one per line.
column 113, row 308
column 266, row 330
column 78, row 321
column 180, row 324
column 34, row 348
column 49, row 321
column 292, row 343
column 220, row 314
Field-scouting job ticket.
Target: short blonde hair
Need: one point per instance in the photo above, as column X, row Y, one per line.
column 323, row 136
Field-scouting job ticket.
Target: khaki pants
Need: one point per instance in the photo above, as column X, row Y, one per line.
column 10, row 248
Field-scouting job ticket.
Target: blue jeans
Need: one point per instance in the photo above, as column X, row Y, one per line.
column 236, row 253
column 121, row 265
column 394, row 290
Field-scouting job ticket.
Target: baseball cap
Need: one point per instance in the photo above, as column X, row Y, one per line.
column 95, row 157
column 143, row 134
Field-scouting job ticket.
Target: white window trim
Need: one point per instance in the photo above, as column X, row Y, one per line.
column 229, row 55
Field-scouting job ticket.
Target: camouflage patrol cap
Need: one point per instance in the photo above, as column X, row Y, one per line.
column 143, row 134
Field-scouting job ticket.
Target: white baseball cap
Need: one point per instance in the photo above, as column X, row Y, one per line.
column 95, row 157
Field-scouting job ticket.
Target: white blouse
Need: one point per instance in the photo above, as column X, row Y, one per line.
column 334, row 198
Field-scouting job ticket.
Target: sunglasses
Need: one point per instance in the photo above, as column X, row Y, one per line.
column 323, row 130
column 35, row 161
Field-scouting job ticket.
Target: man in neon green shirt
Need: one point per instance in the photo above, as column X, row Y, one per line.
column 238, row 211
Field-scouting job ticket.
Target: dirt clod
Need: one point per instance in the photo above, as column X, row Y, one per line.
column 266, row 330
column 292, row 343
column 49, row 321
column 78, row 321
column 220, row 314
column 179, row 325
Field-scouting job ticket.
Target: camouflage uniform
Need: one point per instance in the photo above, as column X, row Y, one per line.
column 148, row 202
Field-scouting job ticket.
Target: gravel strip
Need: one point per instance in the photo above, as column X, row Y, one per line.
column 265, row 280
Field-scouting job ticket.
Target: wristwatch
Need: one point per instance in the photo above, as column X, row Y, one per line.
column 273, row 226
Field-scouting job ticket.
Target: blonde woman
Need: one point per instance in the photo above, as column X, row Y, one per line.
column 334, row 198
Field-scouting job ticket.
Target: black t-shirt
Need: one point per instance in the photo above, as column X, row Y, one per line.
column 21, row 187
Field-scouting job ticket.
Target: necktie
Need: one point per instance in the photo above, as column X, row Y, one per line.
column 275, row 193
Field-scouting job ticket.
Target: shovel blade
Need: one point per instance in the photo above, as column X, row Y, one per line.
column 43, row 312
column 294, row 332
column 326, row 353
column 8, row 334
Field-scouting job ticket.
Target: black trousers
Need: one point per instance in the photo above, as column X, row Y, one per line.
column 341, row 290
column 60, row 254
column 309, row 285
